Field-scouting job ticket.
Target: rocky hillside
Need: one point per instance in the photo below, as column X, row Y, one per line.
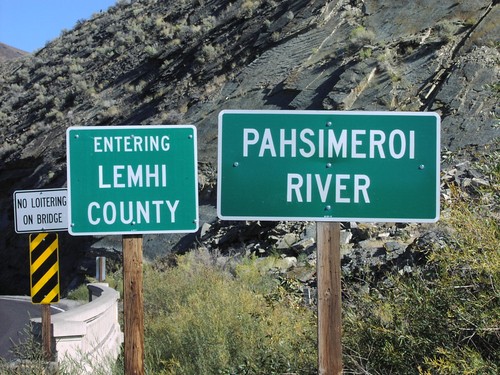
column 158, row 62
column 10, row 53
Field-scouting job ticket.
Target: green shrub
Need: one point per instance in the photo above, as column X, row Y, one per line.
column 445, row 318
column 201, row 319
column 360, row 37
column 247, row 8
column 81, row 293
column 446, row 29
column 365, row 53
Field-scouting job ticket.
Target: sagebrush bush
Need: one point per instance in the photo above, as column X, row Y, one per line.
column 201, row 319
column 360, row 36
column 444, row 318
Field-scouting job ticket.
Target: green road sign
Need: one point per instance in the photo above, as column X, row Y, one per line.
column 328, row 166
column 132, row 179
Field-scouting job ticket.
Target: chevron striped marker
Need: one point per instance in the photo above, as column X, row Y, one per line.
column 44, row 268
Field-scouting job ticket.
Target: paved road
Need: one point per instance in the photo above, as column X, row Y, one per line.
column 15, row 314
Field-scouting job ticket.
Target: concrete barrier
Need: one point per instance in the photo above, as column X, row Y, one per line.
column 88, row 338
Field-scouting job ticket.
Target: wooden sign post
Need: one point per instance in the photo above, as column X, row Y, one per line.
column 46, row 333
column 329, row 299
column 329, row 167
column 44, row 281
column 133, row 304
column 133, row 180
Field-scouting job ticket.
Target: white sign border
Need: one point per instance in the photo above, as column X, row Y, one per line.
column 132, row 127
column 41, row 230
column 329, row 219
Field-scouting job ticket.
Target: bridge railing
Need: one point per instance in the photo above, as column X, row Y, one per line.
column 88, row 338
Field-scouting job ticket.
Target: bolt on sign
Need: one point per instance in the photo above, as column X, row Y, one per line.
column 42, row 210
column 328, row 166
column 132, row 179
column 44, row 268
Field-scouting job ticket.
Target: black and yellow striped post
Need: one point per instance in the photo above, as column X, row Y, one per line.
column 44, row 268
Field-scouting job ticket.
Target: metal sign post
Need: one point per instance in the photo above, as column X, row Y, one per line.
column 100, row 269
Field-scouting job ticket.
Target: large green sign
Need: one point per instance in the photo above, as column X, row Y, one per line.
column 132, row 179
column 329, row 166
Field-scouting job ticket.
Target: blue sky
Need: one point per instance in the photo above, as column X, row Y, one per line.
column 30, row 24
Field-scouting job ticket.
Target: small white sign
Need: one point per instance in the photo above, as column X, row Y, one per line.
column 43, row 210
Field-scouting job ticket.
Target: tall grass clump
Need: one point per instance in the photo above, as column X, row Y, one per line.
column 30, row 359
column 445, row 317
column 202, row 319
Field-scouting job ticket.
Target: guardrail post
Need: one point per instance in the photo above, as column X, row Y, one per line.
column 100, row 269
